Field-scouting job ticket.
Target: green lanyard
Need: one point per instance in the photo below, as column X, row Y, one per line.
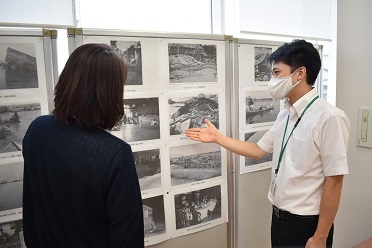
column 295, row 125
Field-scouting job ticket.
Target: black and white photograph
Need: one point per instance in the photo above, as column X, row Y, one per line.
column 140, row 121
column 132, row 54
column 154, row 216
column 195, row 162
column 190, row 111
column 11, row 235
column 18, row 67
column 11, row 183
column 148, row 168
column 262, row 66
column 254, row 137
column 196, row 207
column 260, row 107
column 190, row 63
column 14, row 122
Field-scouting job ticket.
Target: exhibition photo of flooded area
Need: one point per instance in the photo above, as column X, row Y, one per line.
column 14, row 122
column 192, row 163
column 259, row 108
column 192, row 63
column 18, row 68
column 11, row 183
column 191, row 111
column 140, row 121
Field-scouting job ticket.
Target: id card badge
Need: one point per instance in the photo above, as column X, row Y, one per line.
column 273, row 186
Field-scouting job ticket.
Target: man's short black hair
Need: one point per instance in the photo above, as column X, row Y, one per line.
column 296, row 54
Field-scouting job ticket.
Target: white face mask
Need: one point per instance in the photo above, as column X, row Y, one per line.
column 280, row 87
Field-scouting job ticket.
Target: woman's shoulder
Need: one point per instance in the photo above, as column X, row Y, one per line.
column 109, row 137
column 42, row 120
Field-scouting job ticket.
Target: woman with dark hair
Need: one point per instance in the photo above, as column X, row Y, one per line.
column 80, row 183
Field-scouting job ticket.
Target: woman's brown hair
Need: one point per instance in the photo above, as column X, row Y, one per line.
column 90, row 87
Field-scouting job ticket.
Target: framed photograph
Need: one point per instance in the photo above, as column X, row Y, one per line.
column 154, row 216
column 18, row 67
column 190, row 110
column 14, row 121
column 258, row 108
column 11, row 234
column 11, row 185
column 140, row 122
column 189, row 63
column 132, row 53
column 22, row 67
column 142, row 57
column 262, row 66
column 249, row 164
column 148, row 166
column 194, row 163
column 197, row 207
column 254, row 65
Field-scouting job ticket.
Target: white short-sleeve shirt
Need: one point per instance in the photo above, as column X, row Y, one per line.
column 316, row 149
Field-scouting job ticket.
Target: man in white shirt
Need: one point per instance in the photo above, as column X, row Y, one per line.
column 309, row 145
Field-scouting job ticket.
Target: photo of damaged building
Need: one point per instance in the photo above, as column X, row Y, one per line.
column 18, row 69
column 190, row 112
column 131, row 52
column 192, row 63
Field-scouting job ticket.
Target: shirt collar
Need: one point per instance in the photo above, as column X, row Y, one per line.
column 299, row 106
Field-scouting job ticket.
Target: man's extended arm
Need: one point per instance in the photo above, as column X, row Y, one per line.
column 211, row 135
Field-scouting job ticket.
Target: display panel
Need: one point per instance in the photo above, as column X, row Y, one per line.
column 25, row 65
column 173, row 84
column 257, row 108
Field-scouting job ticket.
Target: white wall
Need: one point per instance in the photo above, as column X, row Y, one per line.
column 354, row 88
column 44, row 13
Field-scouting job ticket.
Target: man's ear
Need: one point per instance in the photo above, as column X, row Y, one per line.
column 302, row 73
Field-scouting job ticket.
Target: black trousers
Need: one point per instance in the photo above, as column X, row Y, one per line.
column 293, row 232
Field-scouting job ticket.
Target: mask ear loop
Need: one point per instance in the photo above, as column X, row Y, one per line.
column 300, row 72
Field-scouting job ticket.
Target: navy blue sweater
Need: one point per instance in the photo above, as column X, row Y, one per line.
column 80, row 188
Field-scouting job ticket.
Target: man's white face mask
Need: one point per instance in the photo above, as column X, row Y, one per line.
column 280, row 87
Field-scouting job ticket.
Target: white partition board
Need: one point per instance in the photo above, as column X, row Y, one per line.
column 174, row 82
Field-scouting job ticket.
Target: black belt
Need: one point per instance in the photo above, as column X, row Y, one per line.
column 285, row 215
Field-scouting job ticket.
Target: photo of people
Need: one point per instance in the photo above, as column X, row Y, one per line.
column 262, row 66
column 14, row 122
column 11, row 183
column 11, row 235
column 260, row 107
column 148, row 168
column 200, row 206
column 18, row 68
column 196, row 162
column 192, row 63
column 132, row 53
column 154, row 216
column 190, row 111
column 140, row 121
column 254, row 137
